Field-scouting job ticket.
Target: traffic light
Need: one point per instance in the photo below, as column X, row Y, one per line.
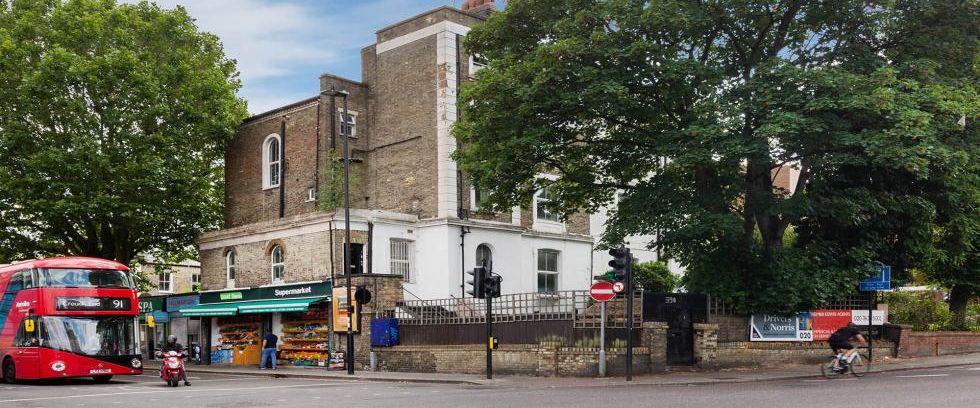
column 478, row 284
column 492, row 286
column 620, row 262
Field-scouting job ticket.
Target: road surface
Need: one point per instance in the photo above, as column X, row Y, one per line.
column 957, row 387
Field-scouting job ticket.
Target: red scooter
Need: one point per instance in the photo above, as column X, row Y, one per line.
column 172, row 370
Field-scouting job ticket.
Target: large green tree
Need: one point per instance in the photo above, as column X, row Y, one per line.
column 113, row 124
column 689, row 107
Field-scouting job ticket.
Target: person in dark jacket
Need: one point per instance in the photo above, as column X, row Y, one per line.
column 840, row 341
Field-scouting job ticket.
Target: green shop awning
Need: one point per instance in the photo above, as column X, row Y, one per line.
column 216, row 309
column 277, row 306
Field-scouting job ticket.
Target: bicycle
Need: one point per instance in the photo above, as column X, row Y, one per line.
column 858, row 366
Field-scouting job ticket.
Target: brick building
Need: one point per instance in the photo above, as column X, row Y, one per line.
column 414, row 214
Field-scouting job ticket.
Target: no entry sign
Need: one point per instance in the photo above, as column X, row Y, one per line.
column 602, row 291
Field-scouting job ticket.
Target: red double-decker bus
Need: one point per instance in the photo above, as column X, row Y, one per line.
column 68, row 317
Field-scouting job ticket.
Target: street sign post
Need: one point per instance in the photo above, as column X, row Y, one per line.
column 602, row 291
column 882, row 280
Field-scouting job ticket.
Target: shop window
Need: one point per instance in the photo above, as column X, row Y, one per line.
column 278, row 265
column 402, row 252
column 547, row 270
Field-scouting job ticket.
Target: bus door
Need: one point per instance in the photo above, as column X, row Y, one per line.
column 27, row 355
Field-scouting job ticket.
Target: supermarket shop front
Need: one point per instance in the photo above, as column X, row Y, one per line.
column 237, row 319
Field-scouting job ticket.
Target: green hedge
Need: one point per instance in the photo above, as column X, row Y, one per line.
column 924, row 311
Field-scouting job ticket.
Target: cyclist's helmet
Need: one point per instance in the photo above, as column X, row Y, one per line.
column 851, row 324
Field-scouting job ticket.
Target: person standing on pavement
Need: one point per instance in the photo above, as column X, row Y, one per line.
column 269, row 349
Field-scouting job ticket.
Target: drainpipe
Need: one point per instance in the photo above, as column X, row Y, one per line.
column 316, row 160
column 282, row 169
column 463, row 230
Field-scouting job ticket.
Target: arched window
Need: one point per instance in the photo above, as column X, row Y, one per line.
column 484, row 256
column 271, row 161
column 278, row 264
column 230, row 268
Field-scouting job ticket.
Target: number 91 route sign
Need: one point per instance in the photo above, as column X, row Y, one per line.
column 602, row 291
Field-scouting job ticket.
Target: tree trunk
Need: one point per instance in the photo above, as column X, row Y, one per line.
column 959, row 299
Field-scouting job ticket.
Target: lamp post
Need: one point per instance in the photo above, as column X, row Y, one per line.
column 349, row 355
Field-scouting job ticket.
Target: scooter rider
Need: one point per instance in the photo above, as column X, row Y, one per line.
column 173, row 345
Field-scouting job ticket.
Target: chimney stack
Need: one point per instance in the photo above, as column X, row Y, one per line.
column 479, row 8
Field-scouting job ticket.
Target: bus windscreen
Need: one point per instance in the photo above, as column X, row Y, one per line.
column 90, row 336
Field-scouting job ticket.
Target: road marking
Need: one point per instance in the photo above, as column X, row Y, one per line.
column 922, row 375
column 110, row 394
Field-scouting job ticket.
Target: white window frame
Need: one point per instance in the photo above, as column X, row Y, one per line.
column 281, row 265
column 311, row 195
column 165, row 281
column 195, row 280
column 475, row 66
column 476, row 256
column 396, row 265
column 353, row 122
column 556, row 273
column 267, row 163
column 474, row 204
column 231, row 268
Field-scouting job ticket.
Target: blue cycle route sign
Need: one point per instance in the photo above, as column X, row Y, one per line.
column 882, row 279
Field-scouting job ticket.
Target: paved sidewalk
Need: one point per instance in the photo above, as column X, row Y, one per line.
column 680, row 377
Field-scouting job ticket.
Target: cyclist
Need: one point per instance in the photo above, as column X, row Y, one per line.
column 841, row 341
column 173, row 345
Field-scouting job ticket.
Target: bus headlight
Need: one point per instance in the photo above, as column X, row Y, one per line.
column 58, row 366
column 136, row 363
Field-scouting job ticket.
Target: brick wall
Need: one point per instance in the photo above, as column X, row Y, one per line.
column 763, row 354
column 924, row 344
column 731, row 328
column 523, row 359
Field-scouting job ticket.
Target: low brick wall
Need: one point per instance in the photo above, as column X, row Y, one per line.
column 924, row 344
column 530, row 359
column 760, row 354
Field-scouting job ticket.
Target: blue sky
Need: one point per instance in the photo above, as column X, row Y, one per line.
column 282, row 46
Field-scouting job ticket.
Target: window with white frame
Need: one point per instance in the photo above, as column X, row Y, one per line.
column 542, row 202
column 348, row 123
column 230, row 267
column 278, row 264
column 477, row 62
column 547, row 270
column 402, row 254
column 196, row 281
column 480, row 197
column 164, row 281
column 271, row 161
column 484, row 256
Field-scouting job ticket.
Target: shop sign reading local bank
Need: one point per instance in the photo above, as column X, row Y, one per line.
column 303, row 290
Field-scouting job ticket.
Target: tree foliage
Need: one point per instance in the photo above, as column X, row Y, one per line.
column 113, row 124
column 690, row 107
column 655, row 276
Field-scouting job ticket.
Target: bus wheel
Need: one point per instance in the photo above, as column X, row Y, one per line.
column 9, row 371
column 102, row 379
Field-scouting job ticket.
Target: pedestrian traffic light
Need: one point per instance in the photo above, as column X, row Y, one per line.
column 620, row 262
column 477, row 284
column 492, row 288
